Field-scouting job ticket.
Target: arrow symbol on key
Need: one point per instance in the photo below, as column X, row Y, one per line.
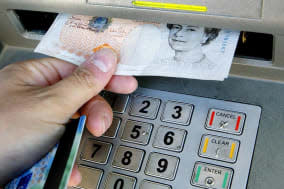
column 217, row 152
column 223, row 124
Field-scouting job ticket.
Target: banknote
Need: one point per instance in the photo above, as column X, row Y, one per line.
column 144, row 48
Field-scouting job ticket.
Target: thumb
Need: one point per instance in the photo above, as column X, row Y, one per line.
column 86, row 81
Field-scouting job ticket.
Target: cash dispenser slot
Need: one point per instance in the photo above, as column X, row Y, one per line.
column 256, row 46
column 34, row 21
column 251, row 45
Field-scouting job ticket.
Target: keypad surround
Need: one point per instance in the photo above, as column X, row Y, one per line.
column 195, row 130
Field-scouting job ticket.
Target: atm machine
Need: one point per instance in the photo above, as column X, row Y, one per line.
column 172, row 132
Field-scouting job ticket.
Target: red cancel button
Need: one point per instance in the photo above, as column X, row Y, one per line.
column 225, row 121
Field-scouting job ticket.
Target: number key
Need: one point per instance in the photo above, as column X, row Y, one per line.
column 162, row 166
column 137, row 132
column 128, row 158
column 118, row 102
column 112, row 131
column 176, row 112
column 96, row 151
column 146, row 184
column 118, row 181
column 91, row 177
column 144, row 107
column 170, row 139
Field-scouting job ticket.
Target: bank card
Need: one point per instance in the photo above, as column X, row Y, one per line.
column 53, row 171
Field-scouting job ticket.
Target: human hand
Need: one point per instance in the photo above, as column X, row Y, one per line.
column 39, row 97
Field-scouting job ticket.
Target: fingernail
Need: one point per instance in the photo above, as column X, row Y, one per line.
column 104, row 59
column 75, row 177
column 103, row 127
column 106, row 124
column 78, row 178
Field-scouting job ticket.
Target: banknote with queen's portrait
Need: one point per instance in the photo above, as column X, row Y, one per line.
column 144, row 48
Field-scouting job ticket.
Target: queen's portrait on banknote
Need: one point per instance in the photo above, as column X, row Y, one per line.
column 187, row 42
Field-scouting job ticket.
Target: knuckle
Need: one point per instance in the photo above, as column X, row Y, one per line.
column 16, row 71
column 22, row 68
column 84, row 77
column 15, row 67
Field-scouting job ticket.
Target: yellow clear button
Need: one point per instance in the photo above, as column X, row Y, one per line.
column 219, row 148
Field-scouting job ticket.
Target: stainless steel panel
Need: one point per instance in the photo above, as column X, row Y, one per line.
column 189, row 156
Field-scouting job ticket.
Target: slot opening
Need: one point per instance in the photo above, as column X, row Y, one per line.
column 257, row 46
column 34, row 21
column 251, row 45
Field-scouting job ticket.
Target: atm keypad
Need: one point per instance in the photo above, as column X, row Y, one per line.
column 164, row 140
